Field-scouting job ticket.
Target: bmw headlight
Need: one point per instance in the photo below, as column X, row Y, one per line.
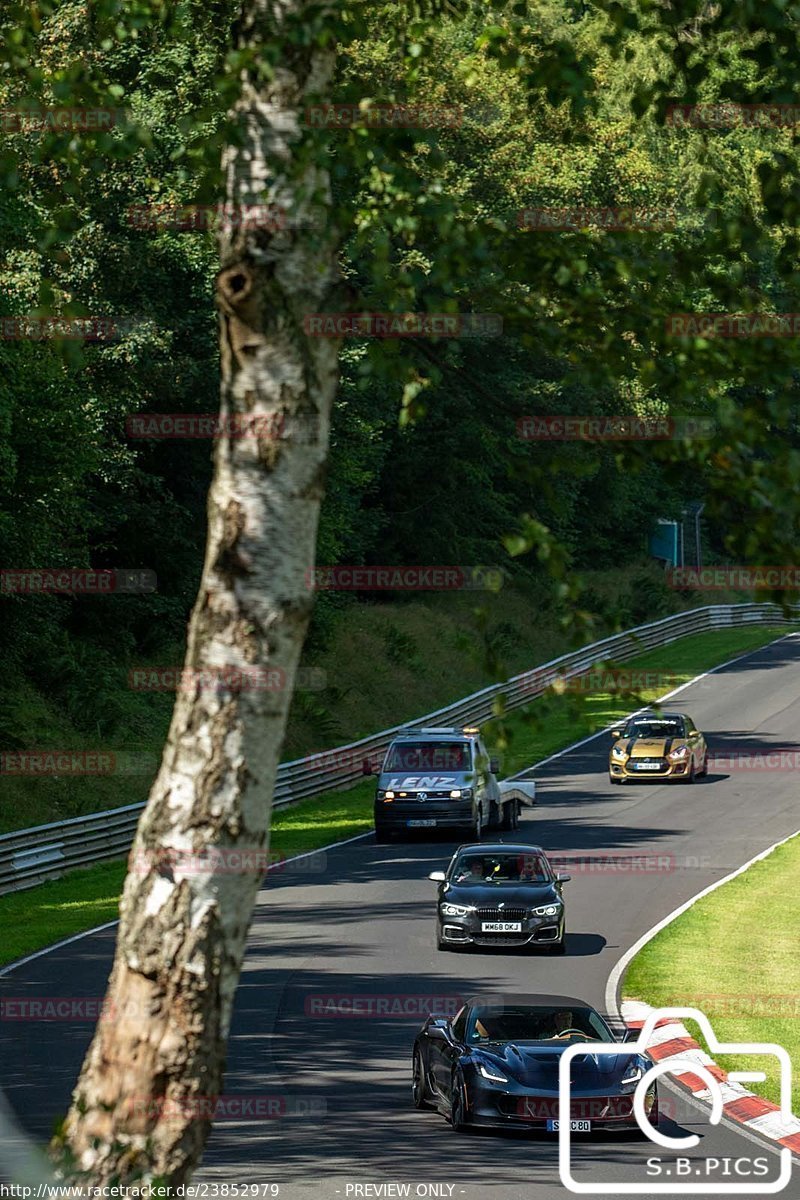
column 455, row 910
column 680, row 753
column 547, row 910
column 618, row 752
column 491, row 1073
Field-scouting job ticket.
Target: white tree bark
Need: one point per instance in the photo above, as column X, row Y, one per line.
column 158, row 1055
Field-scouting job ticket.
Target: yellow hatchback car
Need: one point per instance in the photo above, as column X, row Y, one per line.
column 658, row 746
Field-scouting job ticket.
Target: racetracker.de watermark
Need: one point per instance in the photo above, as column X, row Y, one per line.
column 382, row 116
column 73, row 329
column 773, row 759
column 76, row 581
column 402, row 325
column 611, row 429
column 240, row 1107
column 27, row 119
column 709, row 579
column 398, row 1005
column 577, row 217
column 733, row 325
column 405, row 579
column 223, row 860
column 731, row 115
column 199, row 426
column 57, row 763
column 608, row 679
column 779, row 1006
column 228, row 678
column 203, row 217
column 597, row 863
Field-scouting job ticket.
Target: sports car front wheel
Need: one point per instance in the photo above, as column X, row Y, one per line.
column 419, row 1090
column 458, row 1115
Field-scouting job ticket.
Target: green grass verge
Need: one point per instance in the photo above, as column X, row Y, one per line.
column 39, row 916
column 45, row 914
column 733, row 955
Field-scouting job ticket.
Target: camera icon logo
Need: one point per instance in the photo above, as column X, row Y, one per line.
column 675, row 1065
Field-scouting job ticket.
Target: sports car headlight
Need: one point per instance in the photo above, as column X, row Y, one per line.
column 455, row 910
column 618, row 752
column 632, row 1078
column 491, row 1073
column 680, row 753
column 547, row 910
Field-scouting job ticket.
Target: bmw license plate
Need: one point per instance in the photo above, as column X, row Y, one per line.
column 501, row 927
column 574, row 1126
column 417, row 824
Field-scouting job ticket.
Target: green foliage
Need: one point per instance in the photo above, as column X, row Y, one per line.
column 563, row 104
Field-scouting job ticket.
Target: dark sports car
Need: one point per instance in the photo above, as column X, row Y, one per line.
column 496, row 1065
column 500, row 895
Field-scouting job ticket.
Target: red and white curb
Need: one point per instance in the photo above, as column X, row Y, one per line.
column 671, row 1039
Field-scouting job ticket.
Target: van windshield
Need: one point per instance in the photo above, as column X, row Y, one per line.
column 429, row 756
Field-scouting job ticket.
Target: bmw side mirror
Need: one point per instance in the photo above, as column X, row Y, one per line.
column 437, row 876
column 561, row 877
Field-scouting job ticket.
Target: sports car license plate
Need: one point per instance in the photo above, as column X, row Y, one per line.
column 417, row 824
column 647, row 764
column 574, row 1126
column 501, row 927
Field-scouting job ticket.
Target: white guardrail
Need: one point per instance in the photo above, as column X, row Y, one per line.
column 29, row 856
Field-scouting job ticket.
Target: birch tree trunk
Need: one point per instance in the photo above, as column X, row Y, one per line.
column 141, row 1106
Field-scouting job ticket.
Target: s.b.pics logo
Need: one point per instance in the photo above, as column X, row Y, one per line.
column 668, row 1042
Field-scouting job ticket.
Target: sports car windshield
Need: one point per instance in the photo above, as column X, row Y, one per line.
column 667, row 727
column 528, row 1023
column 429, row 756
column 480, row 869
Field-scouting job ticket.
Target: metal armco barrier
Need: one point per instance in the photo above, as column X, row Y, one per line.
column 29, row 856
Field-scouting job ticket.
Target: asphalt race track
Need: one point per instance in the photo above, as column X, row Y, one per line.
column 357, row 921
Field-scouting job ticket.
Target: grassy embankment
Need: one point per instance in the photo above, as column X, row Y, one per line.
column 83, row 899
column 733, row 955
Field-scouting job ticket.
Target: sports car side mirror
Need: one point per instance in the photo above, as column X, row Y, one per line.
column 439, row 1028
column 631, row 1035
column 616, row 734
column 561, row 877
column 437, row 876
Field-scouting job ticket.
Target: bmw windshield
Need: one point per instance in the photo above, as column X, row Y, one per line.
column 480, row 869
